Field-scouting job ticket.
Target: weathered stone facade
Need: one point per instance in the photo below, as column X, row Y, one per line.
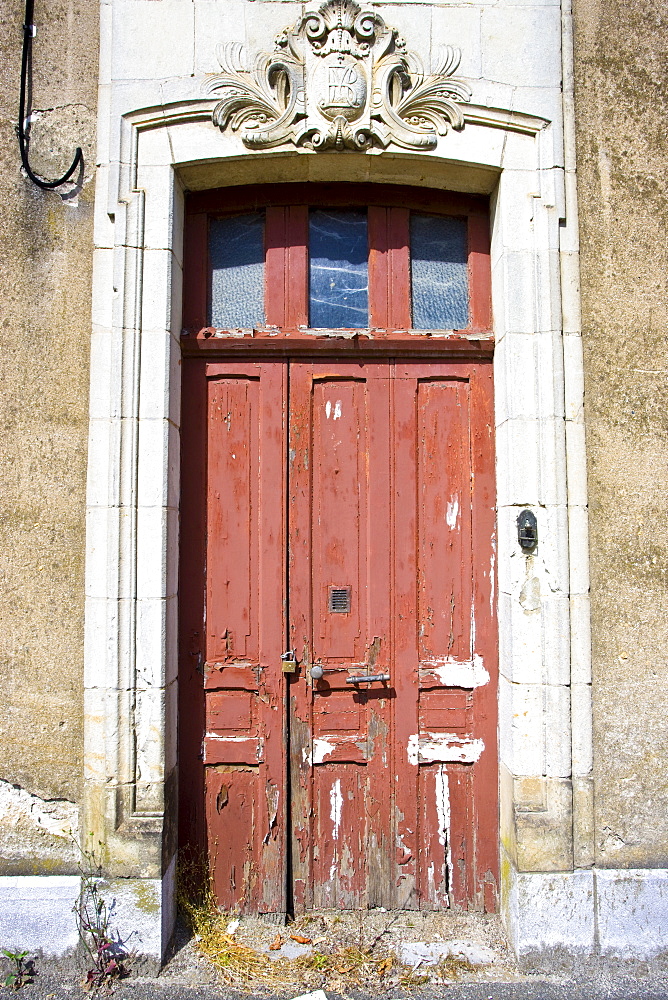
column 46, row 278
column 582, row 836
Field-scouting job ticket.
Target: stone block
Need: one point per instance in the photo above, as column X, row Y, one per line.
column 36, row 914
column 580, row 639
column 520, row 152
column 549, row 915
column 557, row 720
column 158, row 271
column 103, row 481
column 521, row 727
column 633, row 912
column 458, row 26
column 578, row 526
column 576, row 463
column 552, row 490
column 103, row 288
column 158, row 464
column 556, row 636
column 157, row 537
column 518, row 193
column 518, row 470
column 583, row 822
column 101, row 552
column 99, row 626
column 581, row 722
column 160, row 377
column 217, row 25
column 152, row 643
column 521, row 46
column 515, row 364
column 518, row 275
column 143, row 40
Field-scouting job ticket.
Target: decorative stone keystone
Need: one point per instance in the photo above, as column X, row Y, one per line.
column 340, row 78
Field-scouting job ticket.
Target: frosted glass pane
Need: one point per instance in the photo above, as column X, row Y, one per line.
column 236, row 251
column 439, row 272
column 338, row 269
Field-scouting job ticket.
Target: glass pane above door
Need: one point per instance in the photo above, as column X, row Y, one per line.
column 338, row 269
column 236, row 251
column 439, row 272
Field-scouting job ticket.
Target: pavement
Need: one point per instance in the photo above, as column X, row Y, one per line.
column 443, row 956
column 635, row 987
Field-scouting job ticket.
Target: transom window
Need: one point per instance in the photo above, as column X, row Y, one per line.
column 338, row 270
column 336, row 263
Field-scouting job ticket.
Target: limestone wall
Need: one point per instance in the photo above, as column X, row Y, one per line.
column 45, row 276
column 621, row 59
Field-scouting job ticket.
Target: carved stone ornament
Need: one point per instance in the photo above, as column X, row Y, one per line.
column 340, row 78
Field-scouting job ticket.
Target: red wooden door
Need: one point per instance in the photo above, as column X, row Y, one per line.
column 343, row 509
column 351, row 518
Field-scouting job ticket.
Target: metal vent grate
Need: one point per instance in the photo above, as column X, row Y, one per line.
column 339, row 600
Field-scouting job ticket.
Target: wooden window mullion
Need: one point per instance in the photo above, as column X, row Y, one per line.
column 480, row 278
column 286, row 266
column 389, row 268
column 196, row 272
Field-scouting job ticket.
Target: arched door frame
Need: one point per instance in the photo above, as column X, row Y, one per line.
column 130, row 656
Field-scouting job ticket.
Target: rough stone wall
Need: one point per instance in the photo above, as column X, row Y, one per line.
column 621, row 58
column 45, row 277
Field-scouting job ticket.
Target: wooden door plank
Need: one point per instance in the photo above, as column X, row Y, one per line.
column 404, row 598
column 448, row 466
column 485, row 795
column 192, row 582
column 245, row 733
column 341, row 740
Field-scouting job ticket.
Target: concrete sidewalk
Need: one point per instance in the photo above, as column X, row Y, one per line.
column 486, row 972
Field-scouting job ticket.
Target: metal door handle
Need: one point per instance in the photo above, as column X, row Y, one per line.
column 367, row 678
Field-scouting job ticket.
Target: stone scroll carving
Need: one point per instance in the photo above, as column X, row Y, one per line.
column 339, row 78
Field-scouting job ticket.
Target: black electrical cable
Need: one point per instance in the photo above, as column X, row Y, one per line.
column 28, row 31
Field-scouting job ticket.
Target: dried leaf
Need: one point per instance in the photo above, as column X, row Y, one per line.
column 385, row 965
column 277, row 943
column 300, row 939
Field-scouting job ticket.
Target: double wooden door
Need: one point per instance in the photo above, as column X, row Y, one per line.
column 348, row 533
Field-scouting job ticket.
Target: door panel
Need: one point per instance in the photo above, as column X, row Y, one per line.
column 338, row 508
column 244, row 742
column 445, row 647
column 360, row 535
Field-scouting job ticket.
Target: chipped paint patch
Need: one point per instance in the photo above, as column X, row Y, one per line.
column 321, row 749
column 427, row 748
column 457, row 673
column 336, row 802
column 336, row 414
column 214, row 744
column 443, row 815
column 443, row 805
column 273, row 796
column 492, row 576
column 452, row 512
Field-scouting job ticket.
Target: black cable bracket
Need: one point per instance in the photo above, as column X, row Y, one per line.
column 21, row 131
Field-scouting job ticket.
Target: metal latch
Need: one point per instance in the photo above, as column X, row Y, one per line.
column 367, row 678
column 289, row 661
